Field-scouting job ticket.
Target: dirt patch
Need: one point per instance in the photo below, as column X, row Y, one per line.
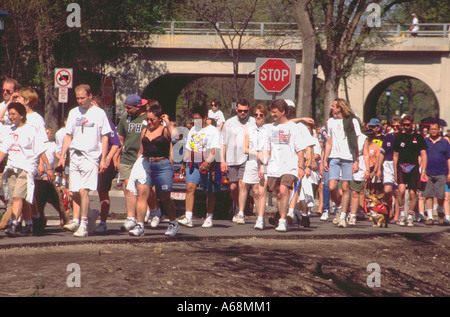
column 233, row 268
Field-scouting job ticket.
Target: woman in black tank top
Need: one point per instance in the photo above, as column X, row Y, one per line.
column 155, row 149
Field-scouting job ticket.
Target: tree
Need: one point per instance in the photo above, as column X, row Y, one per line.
column 234, row 16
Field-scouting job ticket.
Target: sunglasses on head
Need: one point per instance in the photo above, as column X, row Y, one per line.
column 241, row 110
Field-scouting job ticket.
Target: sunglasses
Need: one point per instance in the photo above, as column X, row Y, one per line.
column 406, row 124
column 259, row 115
column 7, row 91
column 241, row 111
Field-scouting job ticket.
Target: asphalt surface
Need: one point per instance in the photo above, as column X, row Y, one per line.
column 222, row 229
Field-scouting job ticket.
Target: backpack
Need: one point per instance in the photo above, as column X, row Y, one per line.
column 352, row 139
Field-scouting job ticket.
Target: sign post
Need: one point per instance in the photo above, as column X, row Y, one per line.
column 274, row 78
column 63, row 81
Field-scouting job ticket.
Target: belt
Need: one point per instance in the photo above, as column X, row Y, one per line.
column 155, row 159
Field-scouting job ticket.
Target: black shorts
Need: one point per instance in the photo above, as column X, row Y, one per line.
column 411, row 179
column 105, row 179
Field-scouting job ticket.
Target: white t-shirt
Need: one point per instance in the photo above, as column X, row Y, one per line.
column 284, row 141
column 59, row 138
column 37, row 122
column 202, row 140
column 218, row 116
column 339, row 143
column 359, row 175
column 415, row 24
column 50, row 150
column 233, row 137
column 23, row 147
column 87, row 128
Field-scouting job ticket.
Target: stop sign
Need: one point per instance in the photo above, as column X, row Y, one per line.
column 274, row 75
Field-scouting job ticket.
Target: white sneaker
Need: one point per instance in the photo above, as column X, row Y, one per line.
column 156, row 219
column 240, row 220
column 72, row 226
column 290, row 217
column 207, row 223
column 81, row 232
column 337, row 219
column 128, row 225
column 420, row 217
column 342, row 223
column 136, row 231
column 147, row 216
column 101, row 228
column 282, row 226
column 172, row 229
column 352, row 221
column 324, row 216
column 259, row 224
column 186, row 222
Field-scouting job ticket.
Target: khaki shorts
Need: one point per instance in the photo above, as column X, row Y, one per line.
column 274, row 183
column 124, row 171
column 18, row 184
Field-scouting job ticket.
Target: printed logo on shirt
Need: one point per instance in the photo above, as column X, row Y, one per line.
column 402, row 144
column 135, row 127
column 279, row 137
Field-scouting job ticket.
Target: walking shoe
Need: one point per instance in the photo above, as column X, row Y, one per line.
column 156, row 219
column 128, row 225
column 305, row 221
column 429, row 222
column 147, row 216
column 240, row 220
column 172, row 229
column 81, row 232
column 410, row 222
column 336, row 218
column 207, row 223
column 402, row 222
column 342, row 223
column 352, row 221
column 12, row 229
column 136, row 231
column 71, row 226
column 324, row 216
column 26, row 231
column 282, row 226
column 101, row 228
column 259, row 224
column 446, row 221
column 290, row 217
column 186, row 222
column 420, row 217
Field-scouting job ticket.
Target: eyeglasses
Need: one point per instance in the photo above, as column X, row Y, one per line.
column 259, row 115
column 396, row 126
column 406, row 124
column 7, row 91
column 241, row 110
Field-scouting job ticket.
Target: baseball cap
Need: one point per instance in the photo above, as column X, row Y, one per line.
column 374, row 122
column 135, row 100
column 290, row 103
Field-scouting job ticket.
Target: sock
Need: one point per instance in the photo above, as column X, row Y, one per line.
column 352, row 216
column 430, row 213
column 241, row 213
column 401, row 211
column 141, row 224
column 435, row 206
column 260, row 218
column 447, row 217
column 343, row 215
column 131, row 219
column 189, row 214
column 291, row 210
column 410, row 214
column 209, row 216
column 84, row 221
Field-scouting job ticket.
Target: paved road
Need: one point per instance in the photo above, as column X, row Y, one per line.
column 223, row 229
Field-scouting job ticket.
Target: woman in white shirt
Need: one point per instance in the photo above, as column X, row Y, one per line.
column 24, row 149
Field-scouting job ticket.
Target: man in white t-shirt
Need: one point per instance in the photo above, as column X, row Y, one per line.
column 10, row 87
column 87, row 141
column 343, row 129
column 285, row 151
column 414, row 28
column 216, row 114
column 233, row 157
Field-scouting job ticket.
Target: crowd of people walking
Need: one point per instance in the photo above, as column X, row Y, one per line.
column 300, row 163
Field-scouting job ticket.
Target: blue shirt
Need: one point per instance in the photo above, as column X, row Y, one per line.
column 437, row 155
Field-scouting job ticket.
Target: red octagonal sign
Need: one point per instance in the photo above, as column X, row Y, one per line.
column 274, row 75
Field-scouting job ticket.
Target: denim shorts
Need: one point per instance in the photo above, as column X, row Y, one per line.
column 340, row 169
column 158, row 174
column 207, row 180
